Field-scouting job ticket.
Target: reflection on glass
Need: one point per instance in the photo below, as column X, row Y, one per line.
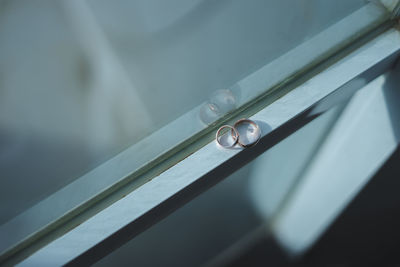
column 232, row 216
column 82, row 81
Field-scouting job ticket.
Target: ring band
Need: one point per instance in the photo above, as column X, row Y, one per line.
column 257, row 132
column 234, row 134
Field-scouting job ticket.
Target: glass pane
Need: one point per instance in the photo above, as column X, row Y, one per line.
column 227, row 219
column 280, row 209
column 82, row 81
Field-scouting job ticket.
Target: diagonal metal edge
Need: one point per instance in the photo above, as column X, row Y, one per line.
column 82, row 213
column 130, row 219
column 396, row 11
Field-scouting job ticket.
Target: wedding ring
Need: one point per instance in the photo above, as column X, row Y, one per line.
column 256, row 132
column 234, row 134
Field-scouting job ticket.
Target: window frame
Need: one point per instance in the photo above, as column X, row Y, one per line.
column 138, row 210
column 204, row 167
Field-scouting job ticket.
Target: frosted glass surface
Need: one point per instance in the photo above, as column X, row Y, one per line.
column 82, row 81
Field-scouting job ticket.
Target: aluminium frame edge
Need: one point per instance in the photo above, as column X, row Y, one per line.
column 207, row 166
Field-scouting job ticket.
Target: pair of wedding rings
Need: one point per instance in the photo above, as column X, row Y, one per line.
column 251, row 129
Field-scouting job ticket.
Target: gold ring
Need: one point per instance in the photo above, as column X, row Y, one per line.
column 257, row 132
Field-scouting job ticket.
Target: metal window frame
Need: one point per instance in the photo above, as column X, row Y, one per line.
column 282, row 125
column 138, row 210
